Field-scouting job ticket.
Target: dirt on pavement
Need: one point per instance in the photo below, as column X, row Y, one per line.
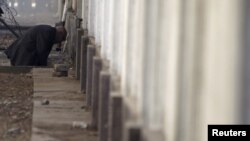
column 16, row 106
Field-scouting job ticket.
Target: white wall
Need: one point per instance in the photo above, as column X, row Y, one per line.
column 85, row 13
column 179, row 61
column 222, row 71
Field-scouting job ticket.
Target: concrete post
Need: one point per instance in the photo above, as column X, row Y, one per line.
column 104, row 93
column 60, row 8
column 83, row 71
column 132, row 132
column 65, row 8
column 85, row 12
column 78, row 53
column 67, row 26
column 90, row 55
column 79, row 8
column 73, row 39
column 74, row 5
column 97, row 66
column 115, row 117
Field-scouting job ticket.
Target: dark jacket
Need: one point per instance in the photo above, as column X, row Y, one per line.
column 33, row 48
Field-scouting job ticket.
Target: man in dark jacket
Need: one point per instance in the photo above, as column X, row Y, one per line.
column 33, row 48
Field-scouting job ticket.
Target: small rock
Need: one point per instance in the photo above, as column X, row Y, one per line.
column 29, row 76
column 83, row 107
column 93, row 134
column 79, row 125
column 61, row 67
column 6, row 102
column 14, row 131
column 14, row 117
column 14, row 102
column 45, row 102
column 90, row 127
column 71, row 73
column 60, row 74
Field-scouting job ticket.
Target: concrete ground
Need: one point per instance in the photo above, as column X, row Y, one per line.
column 64, row 118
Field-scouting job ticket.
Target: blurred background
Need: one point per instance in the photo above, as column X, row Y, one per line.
column 32, row 12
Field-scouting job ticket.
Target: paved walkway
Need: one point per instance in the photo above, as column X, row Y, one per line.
column 54, row 122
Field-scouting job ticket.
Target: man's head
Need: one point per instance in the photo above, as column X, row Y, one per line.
column 61, row 34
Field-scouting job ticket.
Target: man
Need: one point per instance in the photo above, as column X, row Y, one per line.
column 33, row 48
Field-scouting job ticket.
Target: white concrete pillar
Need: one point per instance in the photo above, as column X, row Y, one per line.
column 79, row 8
column 85, row 13
column 190, row 68
column 60, row 8
column 154, row 65
column 98, row 21
column 120, row 20
column 74, row 5
column 223, row 44
column 103, row 18
column 92, row 17
column 169, row 43
column 123, row 50
column 107, row 37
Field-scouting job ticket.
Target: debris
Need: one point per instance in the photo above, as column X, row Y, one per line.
column 45, row 102
column 60, row 74
column 14, row 102
column 14, row 117
column 93, row 133
column 71, row 73
column 6, row 102
column 16, row 106
column 79, row 124
column 61, row 68
column 29, row 75
column 91, row 127
column 83, row 107
column 14, row 131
